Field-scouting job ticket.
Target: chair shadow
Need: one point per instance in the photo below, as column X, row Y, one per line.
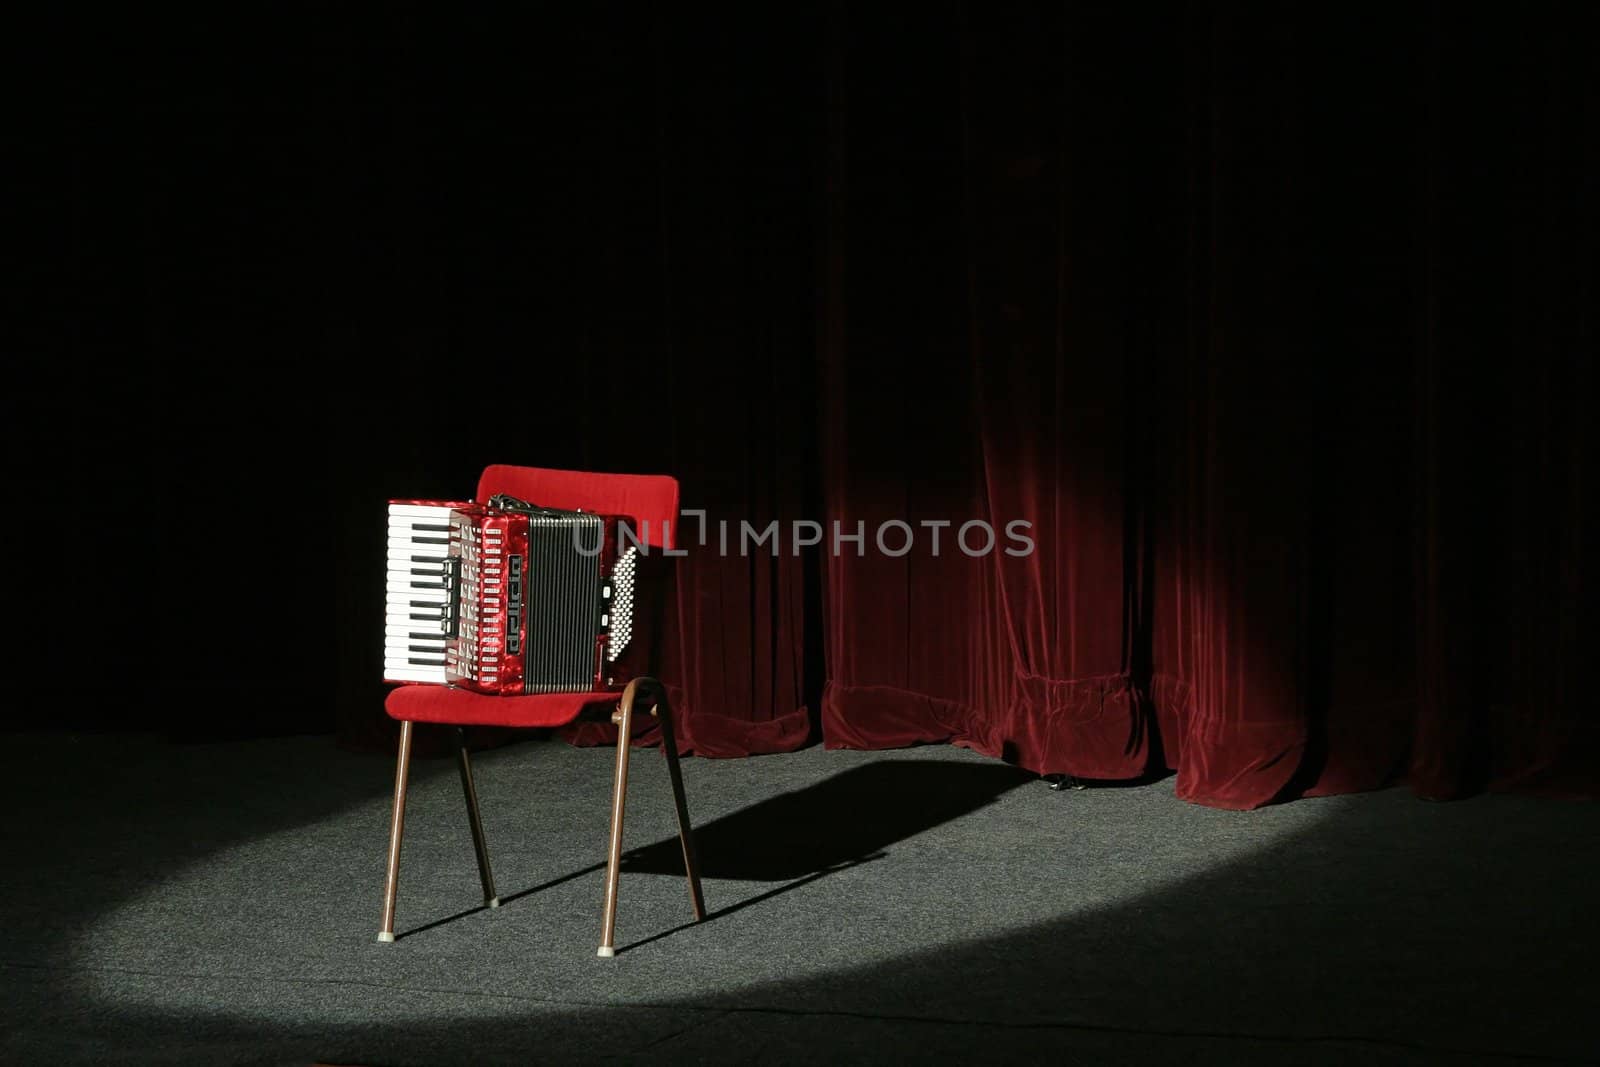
column 504, row 900
column 748, row 901
column 401, row 935
column 841, row 820
column 801, row 836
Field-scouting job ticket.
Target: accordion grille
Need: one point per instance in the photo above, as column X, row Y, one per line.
column 562, row 582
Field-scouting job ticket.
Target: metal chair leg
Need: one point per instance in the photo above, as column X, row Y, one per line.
column 623, row 717
column 464, row 764
column 691, row 865
column 396, row 829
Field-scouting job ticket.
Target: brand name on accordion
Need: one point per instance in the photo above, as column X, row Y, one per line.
column 514, row 605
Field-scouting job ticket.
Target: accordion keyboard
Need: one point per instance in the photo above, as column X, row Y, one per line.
column 416, row 594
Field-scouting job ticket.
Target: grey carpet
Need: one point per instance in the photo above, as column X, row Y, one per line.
column 217, row 903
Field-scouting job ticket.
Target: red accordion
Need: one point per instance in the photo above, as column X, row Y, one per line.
column 508, row 597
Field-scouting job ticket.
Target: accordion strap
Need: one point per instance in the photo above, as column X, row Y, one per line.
column 507, row 502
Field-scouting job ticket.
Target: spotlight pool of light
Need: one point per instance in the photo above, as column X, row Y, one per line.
column 277, row 929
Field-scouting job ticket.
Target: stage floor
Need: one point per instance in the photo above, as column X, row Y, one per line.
column 218, row 904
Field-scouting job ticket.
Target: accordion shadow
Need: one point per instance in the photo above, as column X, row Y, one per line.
column 853, row 816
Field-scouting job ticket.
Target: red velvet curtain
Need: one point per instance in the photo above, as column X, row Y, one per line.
column 1270, row 326
column 981, row 371
column 1273, row 324
column 1276, row 328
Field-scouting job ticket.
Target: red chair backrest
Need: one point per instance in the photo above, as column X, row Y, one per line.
column 652, row 499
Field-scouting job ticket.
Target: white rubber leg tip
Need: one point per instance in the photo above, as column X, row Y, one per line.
column 493, row 902
column 606, row 952
column 386, row 937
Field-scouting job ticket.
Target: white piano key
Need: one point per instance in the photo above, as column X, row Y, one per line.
column 422, row 577
column 414, row 674
column 395, row 631
column 399, row 657
column 440, row 543
column 431, row 554
column 403, row 617
column 403, row 632
column 412, row 511
column 399, row 634
column 430, row 620
column 400, row 586
column 410, row 535
column 411, row 542
column 397, row 615
column 426, row 571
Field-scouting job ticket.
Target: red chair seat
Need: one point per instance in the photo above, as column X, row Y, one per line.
column 438, row 703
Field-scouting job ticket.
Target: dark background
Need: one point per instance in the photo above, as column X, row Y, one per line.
column 1295, row 300
column 292, row 264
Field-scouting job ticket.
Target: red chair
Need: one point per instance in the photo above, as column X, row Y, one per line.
column 653, row 501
